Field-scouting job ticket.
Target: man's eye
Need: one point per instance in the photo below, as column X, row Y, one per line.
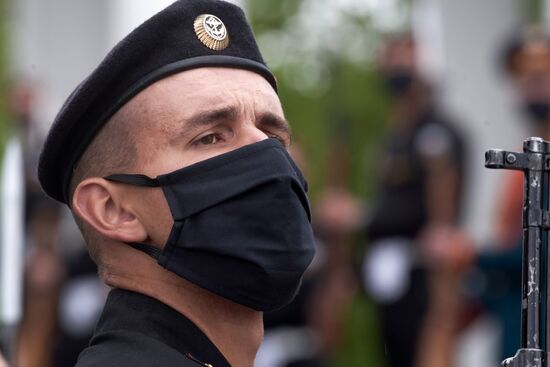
column 209, row 139
column 283, row 141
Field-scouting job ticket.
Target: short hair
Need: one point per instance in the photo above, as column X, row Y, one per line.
column 113, row 150
column 398, row 38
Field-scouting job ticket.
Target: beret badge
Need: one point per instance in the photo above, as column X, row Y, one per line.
column 211, row 31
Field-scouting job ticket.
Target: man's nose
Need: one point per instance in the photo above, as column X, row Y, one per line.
column 250, row 134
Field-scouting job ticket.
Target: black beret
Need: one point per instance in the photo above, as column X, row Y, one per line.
column 186, row 35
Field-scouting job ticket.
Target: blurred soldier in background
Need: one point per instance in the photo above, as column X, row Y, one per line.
column 63, row 294
column 42, row 265
column 526, row 61
column 418, row 202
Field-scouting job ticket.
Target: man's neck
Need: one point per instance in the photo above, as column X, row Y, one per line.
column 235, row 330
column 409, row 109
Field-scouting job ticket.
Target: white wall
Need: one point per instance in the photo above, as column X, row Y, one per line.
column 121, row 21
column 462, row 40
column 56, row 43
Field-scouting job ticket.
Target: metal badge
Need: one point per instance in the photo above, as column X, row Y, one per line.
column 211, row 31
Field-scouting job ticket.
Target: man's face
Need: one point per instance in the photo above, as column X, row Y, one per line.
column 193, row 116
column 532, row 72
column 399, row 55
column 399, row 67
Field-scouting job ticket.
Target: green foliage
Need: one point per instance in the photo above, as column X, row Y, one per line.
column 331, row 93
column 338, row 127
column 363, row 344
column 533, row 11
column 271, row 13
column 4, row 129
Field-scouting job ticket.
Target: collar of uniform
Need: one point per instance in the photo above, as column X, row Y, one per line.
column 126, row 310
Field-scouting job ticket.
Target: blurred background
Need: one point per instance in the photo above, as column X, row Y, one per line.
column 392, row 105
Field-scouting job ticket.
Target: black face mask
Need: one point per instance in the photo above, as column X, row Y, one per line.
column 399, row 82
column 538, row 111
column 241, row 224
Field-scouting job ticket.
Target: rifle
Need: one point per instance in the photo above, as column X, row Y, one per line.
column 535, row 303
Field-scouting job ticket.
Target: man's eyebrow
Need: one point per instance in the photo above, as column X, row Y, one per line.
column 229, row 113
column 210, row 117
column 201, row 119
column 273, row 121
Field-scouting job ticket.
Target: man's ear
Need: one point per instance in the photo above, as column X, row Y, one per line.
column 101, row 204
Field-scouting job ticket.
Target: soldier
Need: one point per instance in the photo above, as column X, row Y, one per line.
column 172, row 156
column 526, row 62
column 419, row 200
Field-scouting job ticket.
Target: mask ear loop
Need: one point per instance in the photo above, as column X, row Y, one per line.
column 144, row 181
column 152, row 251
column 134, row 179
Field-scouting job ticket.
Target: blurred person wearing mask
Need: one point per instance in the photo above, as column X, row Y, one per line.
column 43, row 265
column 173, row 157
column 526, row 61
column 419, row 198
column 63, row 294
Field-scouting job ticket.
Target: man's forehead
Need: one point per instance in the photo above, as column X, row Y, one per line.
column 534, row 58
column 213, row 86
column 216, row 77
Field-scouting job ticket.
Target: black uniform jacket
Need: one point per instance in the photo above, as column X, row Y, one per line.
column 138, row 331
